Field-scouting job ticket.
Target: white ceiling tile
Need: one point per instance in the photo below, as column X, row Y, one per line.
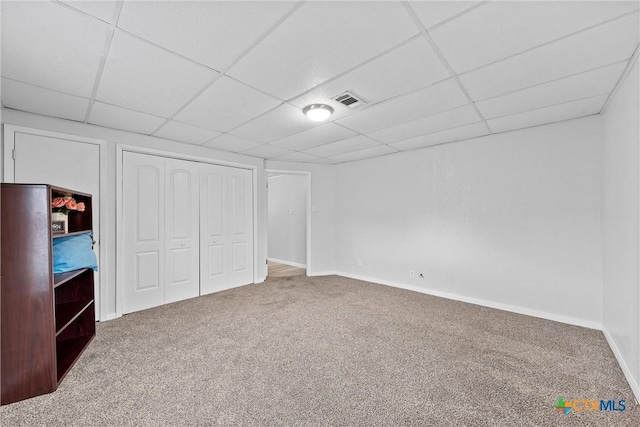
column 359, row 142
column 605, row 44
column 267, row 151
column 296, row 157
column 405, row 69
column 426, row 125
column 276, row 124
column 321, row 40
column 569, row 110
column 213, row 33
column 450, row 135
column 225, row 105
column 24, row 97
column 49, row 45
column 313, row 137
column 440, row 97
column 380, row 150
column 103, row 10
column 120, row 118
column 434, row 12
column 592, row 83
column 146, row 78
column 185, row 133
column 499, row 29
column 228, row 142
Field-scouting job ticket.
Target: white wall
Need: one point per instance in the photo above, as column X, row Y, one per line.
column 113, row 137
column 287, row 219
column 509, row 220
column 322, row 224
column 621, row 219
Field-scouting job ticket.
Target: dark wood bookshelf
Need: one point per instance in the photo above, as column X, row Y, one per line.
column 48, row 319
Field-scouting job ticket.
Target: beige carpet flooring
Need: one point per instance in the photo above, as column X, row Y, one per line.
column 322, row 351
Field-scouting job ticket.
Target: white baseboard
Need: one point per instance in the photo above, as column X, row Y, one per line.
column 109, row 316
column 486, row 303
column 291, row 263
column 322, row 273
column 623, row 365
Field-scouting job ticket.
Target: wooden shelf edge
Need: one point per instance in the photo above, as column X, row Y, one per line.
column 73, row 318
column 74, row 233
column 62, row 278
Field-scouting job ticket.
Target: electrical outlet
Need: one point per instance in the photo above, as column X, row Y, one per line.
column 412, row 274
column 359, row 262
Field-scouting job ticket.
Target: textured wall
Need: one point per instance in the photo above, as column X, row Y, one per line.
column 510, row 220
column 621, row 219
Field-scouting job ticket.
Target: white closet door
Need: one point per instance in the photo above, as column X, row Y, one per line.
column 226, row 228
column 241, row 232
column 143, row 231
column 182, row 230
column 214, row 225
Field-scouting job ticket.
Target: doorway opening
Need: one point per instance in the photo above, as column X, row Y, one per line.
column 288, row 217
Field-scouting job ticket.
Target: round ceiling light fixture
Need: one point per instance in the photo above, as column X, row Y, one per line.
column 317, row 112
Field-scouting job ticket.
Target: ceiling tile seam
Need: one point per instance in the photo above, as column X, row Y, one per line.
column 591, row 27
column 549, row 106
column 431, row 133
column 442, row 58
column 131, row 110
column 456, row 140
column 225, row 70
column 569, row 76
column 544, row 124
column 103, row 60
column 117, row 12
column 630, row 63
column 458, row 15
column 45, row 88
column 355, row 67
column 80, row 12
column 98, row 79
column 413, row 120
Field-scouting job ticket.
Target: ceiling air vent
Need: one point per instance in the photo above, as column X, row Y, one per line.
column 349, row 99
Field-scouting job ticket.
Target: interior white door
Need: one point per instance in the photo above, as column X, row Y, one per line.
column 226, row 228
column 143, row 218
column 64, row 163
column 241, row 232
column 182, row 230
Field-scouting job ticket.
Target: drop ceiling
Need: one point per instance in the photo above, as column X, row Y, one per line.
column 235, row 75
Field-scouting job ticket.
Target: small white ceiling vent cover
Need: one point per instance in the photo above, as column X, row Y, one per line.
column 349, row 99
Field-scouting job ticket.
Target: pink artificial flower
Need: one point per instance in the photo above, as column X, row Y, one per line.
column 80, row 207
column 70, row 204
column 58, row 202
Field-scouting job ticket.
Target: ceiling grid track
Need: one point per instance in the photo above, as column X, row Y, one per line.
column 623, row 77
column 444, row 61
column 582, row 30
column 225, row 70
column 103, row 60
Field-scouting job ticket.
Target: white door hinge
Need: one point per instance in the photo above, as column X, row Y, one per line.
column 13, row 154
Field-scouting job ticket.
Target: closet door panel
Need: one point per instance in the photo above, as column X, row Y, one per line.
column 182, row 230
column 143, row 231
column 241, row 231
column 214, row 224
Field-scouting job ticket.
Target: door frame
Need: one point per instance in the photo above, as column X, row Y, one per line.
column 120, row 149
column 10, row 132
column 307, row 174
